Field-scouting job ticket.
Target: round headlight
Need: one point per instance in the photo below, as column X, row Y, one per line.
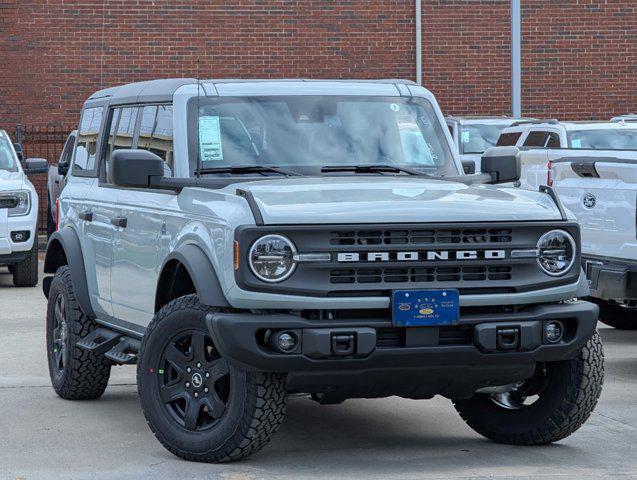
column 272, row 258
column 556, row 252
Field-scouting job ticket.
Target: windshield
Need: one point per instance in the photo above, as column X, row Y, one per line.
column 306, row 133
column 476, row 138
column 7, row 157
column 604, row 139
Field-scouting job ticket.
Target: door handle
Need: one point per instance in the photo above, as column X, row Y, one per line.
column 86, row 216
column 119, row 221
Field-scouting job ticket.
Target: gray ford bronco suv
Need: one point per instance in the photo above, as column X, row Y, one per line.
column 243, row 240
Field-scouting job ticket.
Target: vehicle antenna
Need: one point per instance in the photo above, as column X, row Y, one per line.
column 198, row 133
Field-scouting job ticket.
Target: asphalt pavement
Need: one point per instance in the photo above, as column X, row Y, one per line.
column 45, row 437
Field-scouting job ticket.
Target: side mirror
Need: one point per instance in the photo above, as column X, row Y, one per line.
column 135, row 168
column 503, row 164
column 19, row 151
column 63, row 169
column 469, row 167
column 36, row 165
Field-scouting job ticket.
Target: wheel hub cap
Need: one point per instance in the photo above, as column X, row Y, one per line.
column 197, row 380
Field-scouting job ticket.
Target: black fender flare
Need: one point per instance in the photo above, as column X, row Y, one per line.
column 62, row 249
column 201, row 272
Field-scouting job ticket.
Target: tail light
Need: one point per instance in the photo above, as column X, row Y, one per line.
column 549, row 174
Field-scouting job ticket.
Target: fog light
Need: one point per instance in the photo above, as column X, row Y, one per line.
column 286, row 341
column 21, row 236
column 553, row 331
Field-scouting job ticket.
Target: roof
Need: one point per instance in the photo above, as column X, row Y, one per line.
column 158, row 90
column 482, row 119
column 574, row 125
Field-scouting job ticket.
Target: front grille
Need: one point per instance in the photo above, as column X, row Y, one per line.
column 8, row 202
column 375, row 260
column 419, row 274
column 421, row 237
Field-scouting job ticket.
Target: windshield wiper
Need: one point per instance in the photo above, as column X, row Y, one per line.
column 372, row 169
column 248, row 169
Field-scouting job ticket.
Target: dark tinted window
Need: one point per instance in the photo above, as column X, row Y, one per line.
column 536, row 139
column 508, row 139
column 554, row 140
column 87, row 136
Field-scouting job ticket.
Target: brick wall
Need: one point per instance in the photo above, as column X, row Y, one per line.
column 579, row 56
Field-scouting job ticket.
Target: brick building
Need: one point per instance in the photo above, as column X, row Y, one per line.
column 579, row 57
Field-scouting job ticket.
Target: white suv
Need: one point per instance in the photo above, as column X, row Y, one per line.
column 18, row 214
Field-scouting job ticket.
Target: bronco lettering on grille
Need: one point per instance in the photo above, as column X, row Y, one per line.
column 437, row 255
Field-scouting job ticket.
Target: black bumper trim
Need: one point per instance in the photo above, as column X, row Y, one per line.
column 13, row 258
column 611, row 278
column 235, row 335
column 452, row 370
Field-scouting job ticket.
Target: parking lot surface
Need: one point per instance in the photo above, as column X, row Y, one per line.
column 43, row 436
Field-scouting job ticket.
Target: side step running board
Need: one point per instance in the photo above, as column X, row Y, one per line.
column 125, row 352
column 99, row 341
column 118, row 348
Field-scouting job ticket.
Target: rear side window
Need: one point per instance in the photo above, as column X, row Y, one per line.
column 554, row 140
column 87, row 138
column 508, row 139
column 536, row 139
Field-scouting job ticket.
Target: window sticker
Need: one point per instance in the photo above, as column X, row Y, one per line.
column 576, row 143
column 466, row 136
column 210, row 139
column 395, row 107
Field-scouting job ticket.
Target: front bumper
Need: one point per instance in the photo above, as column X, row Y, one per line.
column 611, row 278
column 421, row 364
column 9, row 248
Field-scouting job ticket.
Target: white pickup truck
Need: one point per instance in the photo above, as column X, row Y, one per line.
column 600, row 188
column 542, row 142
column 593, row 168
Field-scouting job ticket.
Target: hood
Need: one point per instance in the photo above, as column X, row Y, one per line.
column 11, row 180
column 348, row 200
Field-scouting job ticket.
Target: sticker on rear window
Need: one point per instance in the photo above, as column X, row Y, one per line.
column 210, row 139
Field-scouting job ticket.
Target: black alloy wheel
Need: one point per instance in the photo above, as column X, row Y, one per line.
column 59, row 350
column 194, row 380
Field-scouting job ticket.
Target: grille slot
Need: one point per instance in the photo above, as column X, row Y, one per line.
column 421, row 236
column 420, row 274
column 394, row 337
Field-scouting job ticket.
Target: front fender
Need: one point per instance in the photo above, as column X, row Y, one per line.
column 64, row 248
column 201, row 272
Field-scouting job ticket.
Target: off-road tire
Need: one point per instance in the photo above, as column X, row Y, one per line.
column 85, row 375
column 570, row 396
column 616, row 316
column 254, row 412
column 25, row 273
